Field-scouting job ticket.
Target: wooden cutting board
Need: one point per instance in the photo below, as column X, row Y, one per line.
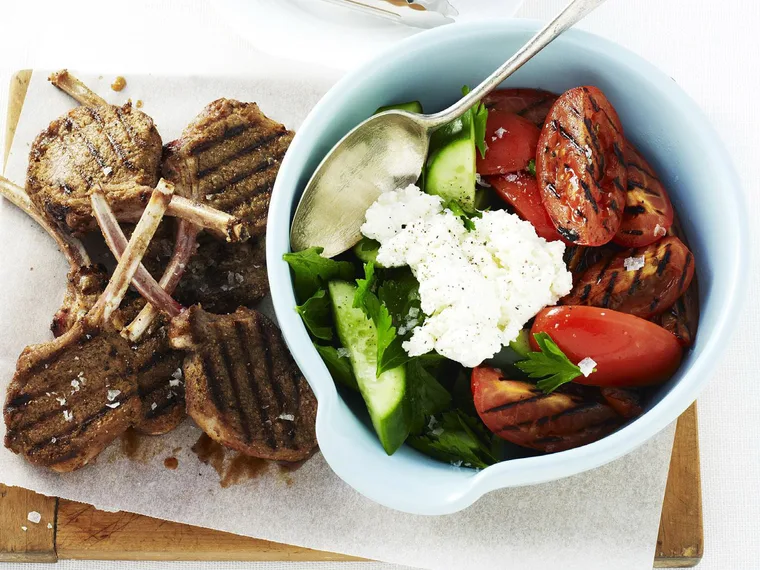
column 70, row 530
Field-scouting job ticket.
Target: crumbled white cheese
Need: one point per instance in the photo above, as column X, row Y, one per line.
column 34, row 517
column 634, row 263
column 67, row 415
column 286, row 417
column 113, row 394
column 114, row 405
column 659, row 231
column 587, row 366
column 477, row 288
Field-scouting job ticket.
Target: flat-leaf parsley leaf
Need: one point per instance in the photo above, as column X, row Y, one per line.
column 551, row 365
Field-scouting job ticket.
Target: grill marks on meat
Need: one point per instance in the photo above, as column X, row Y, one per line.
column 242, row 386
column 117, row 148
column 158, row 370
column 58, row 413
column 235, row 153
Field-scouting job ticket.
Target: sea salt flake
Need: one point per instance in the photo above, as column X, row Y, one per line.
column 112, row 395
column 286, row 417
column 659, row 231
column 50, row 525
column 173, row 382
column 68, row 415
column 24, row 528
column 499, row 132
column 153, row 406
column 34, row 517
column 75, row 385
column 177, row 374
column 342, row 352
column 480, row 181
column 61, row 401
column 587, row 366
column 634, row 263
column 114, row 405
column 53, row 440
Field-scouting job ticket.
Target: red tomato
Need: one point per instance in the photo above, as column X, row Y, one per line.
column 511, row 142
column 520, row 413
column 628, row 351
column 521, row 191
column 580, row 167
column 667, row 271
column 532, row 104
column 648, row 213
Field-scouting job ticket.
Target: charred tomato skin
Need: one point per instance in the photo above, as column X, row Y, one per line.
column 581, row 168
column 520, row 190
column 520, row 413
column 648, row 212
column 667, row 273
column 629, row 351
column 531, row 104
column 511, row 143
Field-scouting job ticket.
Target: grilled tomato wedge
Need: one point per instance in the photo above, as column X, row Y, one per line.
column 522, row 414
column 642, row 282
column 628, row 351
column 511, row 142
column 531, row 104
column 520, row 190
column 648, row 213
column 581, row 168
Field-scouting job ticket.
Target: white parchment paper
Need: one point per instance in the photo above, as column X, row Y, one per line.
column 606, row 518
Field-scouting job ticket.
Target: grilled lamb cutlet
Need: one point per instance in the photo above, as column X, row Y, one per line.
column 242, row 387
column 219, row 276
column 227, row 157
column 230, row 155
column 71, row 397
column 96, row 144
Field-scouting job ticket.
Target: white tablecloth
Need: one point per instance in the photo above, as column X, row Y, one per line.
column 711, row 48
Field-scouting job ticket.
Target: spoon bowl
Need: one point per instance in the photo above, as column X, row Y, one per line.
column 383, row 153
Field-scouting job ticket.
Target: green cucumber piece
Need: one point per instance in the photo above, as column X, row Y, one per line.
column 521, row 345
column 451, row 172
column 411, row 106
column 384, row 395
column 366, row 250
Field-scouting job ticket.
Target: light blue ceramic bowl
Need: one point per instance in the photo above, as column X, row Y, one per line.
column 657, row 116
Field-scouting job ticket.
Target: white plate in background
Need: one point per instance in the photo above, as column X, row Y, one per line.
column 318, row 32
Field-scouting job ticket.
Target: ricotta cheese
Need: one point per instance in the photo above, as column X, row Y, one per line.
column 477, row 288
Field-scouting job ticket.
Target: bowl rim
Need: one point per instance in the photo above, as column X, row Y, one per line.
column 530, row 470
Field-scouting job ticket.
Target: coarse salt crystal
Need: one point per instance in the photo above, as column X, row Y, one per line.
column 50, row 525
column 114, row 405
column 499, row 132
column 587, row 366
column 177, row 374
column 112, row 395
column 67, row 415
column 634, row 263
column 153, row 406
column 34, row 517
column 174, row 382
column 511, row 178
column 479, row 180
column 342, row 352
column 61, row 401
column 24, row 528
column 659, row 231
column 75, row 385
column 286, row 417
column 53, row 440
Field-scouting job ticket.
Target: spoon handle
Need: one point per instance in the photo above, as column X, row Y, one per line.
column 574, row 12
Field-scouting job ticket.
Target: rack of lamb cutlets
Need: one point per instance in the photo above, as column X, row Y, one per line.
column 186, row 340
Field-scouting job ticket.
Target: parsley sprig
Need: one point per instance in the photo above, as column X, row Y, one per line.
column 551, row 365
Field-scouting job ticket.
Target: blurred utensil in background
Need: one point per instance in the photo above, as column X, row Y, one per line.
column 416, row 13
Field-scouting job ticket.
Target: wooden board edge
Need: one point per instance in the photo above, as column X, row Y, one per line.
column 16, row 95
column 680, row 541
column 22, row 540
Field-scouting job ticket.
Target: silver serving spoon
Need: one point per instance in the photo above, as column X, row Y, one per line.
column 388, row 151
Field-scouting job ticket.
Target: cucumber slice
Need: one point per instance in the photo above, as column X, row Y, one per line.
column 366, row 250
column 521, row 345
column 411, row 106
column 384, row 394
column 451, row 172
